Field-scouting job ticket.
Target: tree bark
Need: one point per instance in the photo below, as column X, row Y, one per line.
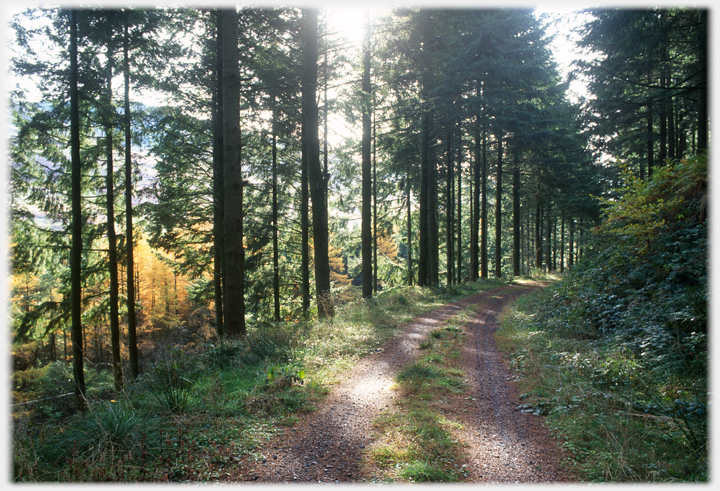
column 424, row 192
column 112, row 240
column 234, row 309
column 433, row 233
column 409, row 235
column 318, row 184
column 366, row 232
column 304, row 219
column 276, row 251
column 498, row 209
column 459, row 204
column 76, row 225
column 702, row 139
column 516, row 218
column 129, row 239
column 449, row 207
column 475, row 221
column 483, row 212
column 218, row 182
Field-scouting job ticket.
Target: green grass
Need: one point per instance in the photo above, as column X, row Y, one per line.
column 415, row 441
column 618, row 419
column 191, row 417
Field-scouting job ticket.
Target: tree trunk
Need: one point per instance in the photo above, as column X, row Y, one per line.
column 234, row 310
column 538, row 235
column 318, row 184
column 218, row 182
column 498, row 210
column 304, row 220
column 129, row 239
column 475, row 222
column 409, row 235
column 449, row 207
column 562, row 242
column 516, row 218
column 702, row 108
column 571, row 241
column 366, row 232
column 424, row 193
column 483, row 212
column 459, row 205
column 433, row 233
column 112, row 241
column 76, row 226
column 276, row 251
column 375, row 213
column 548, row 235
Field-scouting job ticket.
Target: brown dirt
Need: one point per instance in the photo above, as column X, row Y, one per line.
column 503, row 444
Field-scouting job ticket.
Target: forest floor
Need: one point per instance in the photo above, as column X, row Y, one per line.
column 500, row 443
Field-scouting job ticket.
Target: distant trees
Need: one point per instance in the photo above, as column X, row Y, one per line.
column 649, row 83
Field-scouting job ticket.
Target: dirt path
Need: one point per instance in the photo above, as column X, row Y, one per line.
column 504, row 444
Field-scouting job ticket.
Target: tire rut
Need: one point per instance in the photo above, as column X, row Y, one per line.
column 327, row 445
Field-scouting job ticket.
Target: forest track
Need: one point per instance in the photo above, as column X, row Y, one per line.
column 503, row 444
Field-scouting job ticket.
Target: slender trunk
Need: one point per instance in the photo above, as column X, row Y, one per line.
column 548, row 235
column 129, row 240
column 662, row 154
column 670, row 116
column 276, row 252
column 366, row 232
column 498, row 209
column 304, row 221
column 702, row 108
column 218, row 183
column 516, row 218
column 562, row 242
column 375, row 214
column 76, row 226
column 483, row 212
column 650, row 162
column 475, row 221
column 409, row 235
column 234, row 297
column 571, row 241
column 112, row 242
column 318, row 184
column 433, row 234
column 538, row 235
column 424, row 191
column 449, row 207
column 459, row 206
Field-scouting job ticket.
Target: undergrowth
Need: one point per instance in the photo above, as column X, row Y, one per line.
column 615, row 354
column 192, row 416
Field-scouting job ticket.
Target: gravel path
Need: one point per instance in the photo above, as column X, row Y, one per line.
column 504, row 444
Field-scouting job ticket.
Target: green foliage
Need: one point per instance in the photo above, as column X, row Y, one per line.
column 616, row 352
